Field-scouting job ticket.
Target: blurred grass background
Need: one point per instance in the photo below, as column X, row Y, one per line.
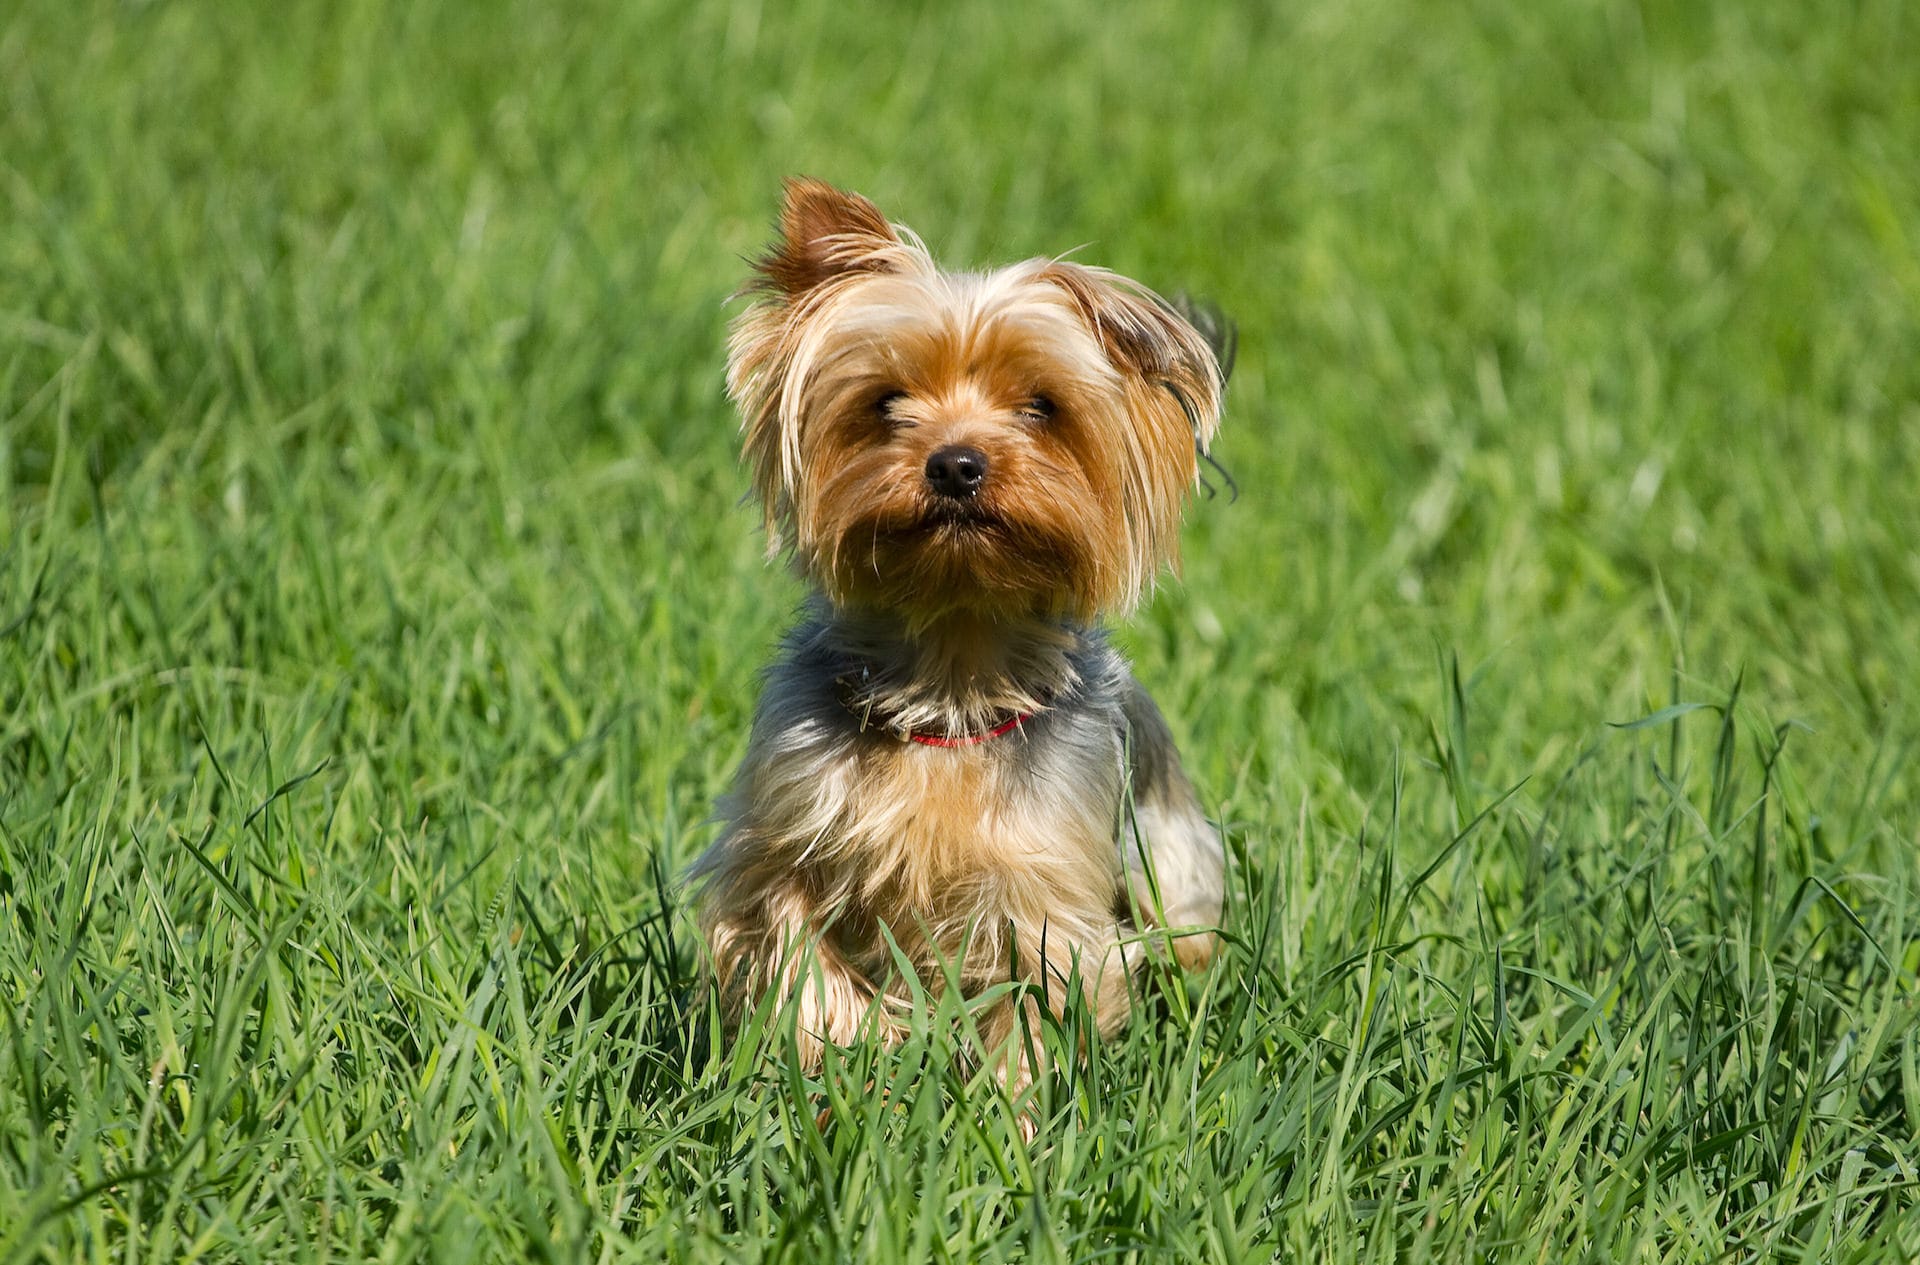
column 378, row 622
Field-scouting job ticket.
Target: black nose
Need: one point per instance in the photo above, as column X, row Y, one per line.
column 957, row 471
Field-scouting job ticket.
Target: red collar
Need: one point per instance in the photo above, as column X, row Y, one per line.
column 850, row 687
column 1006, row 726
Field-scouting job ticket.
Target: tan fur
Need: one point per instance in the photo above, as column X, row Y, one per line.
column 939, row 616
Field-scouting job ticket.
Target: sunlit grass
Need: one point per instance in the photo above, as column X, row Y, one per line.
column 379, row 621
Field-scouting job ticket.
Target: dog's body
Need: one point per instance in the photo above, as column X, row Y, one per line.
column 949, row 761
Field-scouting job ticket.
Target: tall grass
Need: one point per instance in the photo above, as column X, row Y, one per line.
column 378, row 623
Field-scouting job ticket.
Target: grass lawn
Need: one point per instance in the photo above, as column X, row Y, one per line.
column 379, row 621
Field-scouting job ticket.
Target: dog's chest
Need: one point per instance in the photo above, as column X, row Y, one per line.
column 1012, row 822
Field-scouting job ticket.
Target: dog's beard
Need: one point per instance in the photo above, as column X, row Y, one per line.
column 959, row 556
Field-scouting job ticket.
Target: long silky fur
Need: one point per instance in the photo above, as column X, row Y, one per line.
column 856, row 358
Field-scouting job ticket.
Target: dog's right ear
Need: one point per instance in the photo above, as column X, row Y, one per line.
column 825, row 232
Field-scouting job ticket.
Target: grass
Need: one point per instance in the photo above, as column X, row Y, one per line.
column 378, row 623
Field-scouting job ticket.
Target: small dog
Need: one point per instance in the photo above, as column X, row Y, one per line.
column 950, row 768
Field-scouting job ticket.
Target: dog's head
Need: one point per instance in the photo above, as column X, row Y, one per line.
column 1015, row 442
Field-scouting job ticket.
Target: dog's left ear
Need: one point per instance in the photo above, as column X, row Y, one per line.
column 825, row 232
column 1145, row 335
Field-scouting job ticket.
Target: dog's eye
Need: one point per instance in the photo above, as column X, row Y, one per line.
column 883, row 406
column 1036, row 408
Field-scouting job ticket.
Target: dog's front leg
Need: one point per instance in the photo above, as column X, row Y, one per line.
column 782, row 944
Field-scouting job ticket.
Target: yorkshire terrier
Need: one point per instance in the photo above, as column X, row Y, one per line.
column 951, row 771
